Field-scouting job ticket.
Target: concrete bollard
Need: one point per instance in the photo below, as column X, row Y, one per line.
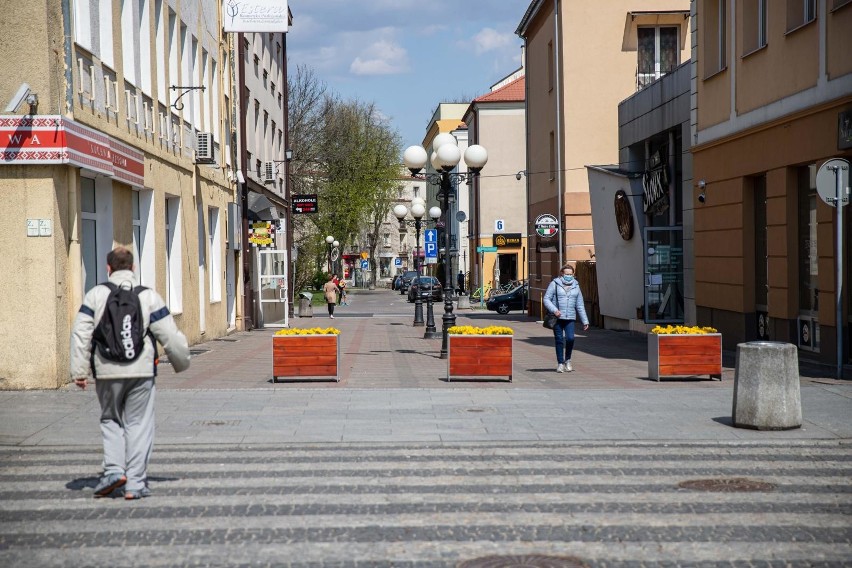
column 464, row 301
column 767, row 395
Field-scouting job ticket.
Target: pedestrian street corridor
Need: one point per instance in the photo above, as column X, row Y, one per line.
column 464, row 504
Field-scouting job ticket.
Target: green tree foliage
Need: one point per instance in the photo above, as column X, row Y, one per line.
column 346, row 152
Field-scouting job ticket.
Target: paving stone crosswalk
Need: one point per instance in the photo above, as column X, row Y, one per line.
column 436, row 504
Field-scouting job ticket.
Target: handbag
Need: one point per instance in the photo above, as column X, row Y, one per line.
column 550, row 321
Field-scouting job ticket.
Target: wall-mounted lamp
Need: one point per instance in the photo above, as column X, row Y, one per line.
column 702, row 197
column 288, row 154
column 520, row 174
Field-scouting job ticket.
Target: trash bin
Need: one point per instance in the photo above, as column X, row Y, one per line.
column 767, row 395
column 306, row 309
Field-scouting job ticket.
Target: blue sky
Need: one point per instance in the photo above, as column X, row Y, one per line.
column 407, row 55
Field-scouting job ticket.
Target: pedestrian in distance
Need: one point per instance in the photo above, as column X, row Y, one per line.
column 330, row 291
column 341, row 284
column 113, row 341
column 460, row 281
column 564, row 299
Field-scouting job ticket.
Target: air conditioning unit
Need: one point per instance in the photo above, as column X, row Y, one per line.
column 204, row 148
column 268, row 172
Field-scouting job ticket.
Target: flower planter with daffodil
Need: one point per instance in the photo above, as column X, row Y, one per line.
column 679, row 350
column 310, row 352
column 479, row 352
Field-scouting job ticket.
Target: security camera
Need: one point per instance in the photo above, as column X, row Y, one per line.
column 701, row 197
column 518, row 176
column 24, row 95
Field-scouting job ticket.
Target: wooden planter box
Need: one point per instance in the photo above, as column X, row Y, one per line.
column 479, row 356
column 305, row 356
column 682, row 355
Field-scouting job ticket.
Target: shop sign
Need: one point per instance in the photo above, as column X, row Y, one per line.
column 306, row 203
column 655, row 184
column 546, row 225
column 260, row 234
column 507, row 240
column 623, row 215
column 255, row 15
column 54, row 139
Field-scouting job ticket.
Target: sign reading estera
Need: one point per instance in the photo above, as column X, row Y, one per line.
column 255, row 15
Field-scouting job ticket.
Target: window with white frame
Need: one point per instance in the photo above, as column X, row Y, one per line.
column 754, row 25
column 128, row 41
column 162, row 49
column 82, row 25
column 143, row 236
column 106, row 36
column 658, row 52
column 715, row 34
column 174, row 256
column 800, row 12
column 145, row 46
column 214, row 235
column 174, row 42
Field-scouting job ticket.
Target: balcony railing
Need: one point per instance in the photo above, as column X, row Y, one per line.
column 646, row 76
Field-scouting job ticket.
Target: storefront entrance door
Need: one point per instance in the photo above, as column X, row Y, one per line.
column 272, row 289
column 664, row 274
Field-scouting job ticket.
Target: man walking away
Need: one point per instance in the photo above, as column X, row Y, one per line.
column 122, row 359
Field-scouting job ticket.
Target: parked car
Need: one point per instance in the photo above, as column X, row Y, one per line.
column 514, row 299
column 425, row 286
column 405, row 281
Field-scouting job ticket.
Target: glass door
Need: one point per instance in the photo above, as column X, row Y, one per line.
column 664, row 274
column 272, row 289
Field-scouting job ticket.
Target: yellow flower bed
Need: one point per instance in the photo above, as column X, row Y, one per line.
column 309, row 331
column 683, row 330
column 471, row 330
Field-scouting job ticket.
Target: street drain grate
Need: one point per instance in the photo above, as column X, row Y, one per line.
column 524, row 561
column 228, row 339
column 727, row 485
column 215, row 422
column 198, row 351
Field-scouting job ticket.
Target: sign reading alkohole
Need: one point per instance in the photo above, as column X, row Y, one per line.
column 306, row 203
column 546, row 225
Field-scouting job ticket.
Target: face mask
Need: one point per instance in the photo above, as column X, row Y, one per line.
column 567, row 278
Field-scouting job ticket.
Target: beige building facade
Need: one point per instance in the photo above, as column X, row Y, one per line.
column 773, row 100
column 498, row 204
column 117, row 144
column 582, row 59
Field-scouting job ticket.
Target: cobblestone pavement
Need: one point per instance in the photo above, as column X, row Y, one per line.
column 394, row 466
column 593, row 504
column 380, row 348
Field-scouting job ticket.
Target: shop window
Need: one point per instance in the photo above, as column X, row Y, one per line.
column 88, row 238
column 214, row 234
column 808, row 250
column 761, row 262
column 385, row 267
column 174, row 287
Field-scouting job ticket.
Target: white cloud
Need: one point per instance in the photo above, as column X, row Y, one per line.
column 489, row 39
column 383, row 57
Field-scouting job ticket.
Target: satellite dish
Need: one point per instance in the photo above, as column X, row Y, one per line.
column 460, row 217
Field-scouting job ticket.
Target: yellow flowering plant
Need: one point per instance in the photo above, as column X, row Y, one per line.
column 309, row 331
column 683, row 330
column 471, row 330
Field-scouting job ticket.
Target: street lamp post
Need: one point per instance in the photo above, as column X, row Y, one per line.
column 431, row 332
column 445, row 157
column 418, row 209
column 331, row 243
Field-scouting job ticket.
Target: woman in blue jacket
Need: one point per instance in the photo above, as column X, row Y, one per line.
column 564, row 299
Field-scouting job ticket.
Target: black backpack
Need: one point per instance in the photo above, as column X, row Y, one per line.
column 120, row 334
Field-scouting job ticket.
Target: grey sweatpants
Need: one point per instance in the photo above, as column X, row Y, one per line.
column 127, row 427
